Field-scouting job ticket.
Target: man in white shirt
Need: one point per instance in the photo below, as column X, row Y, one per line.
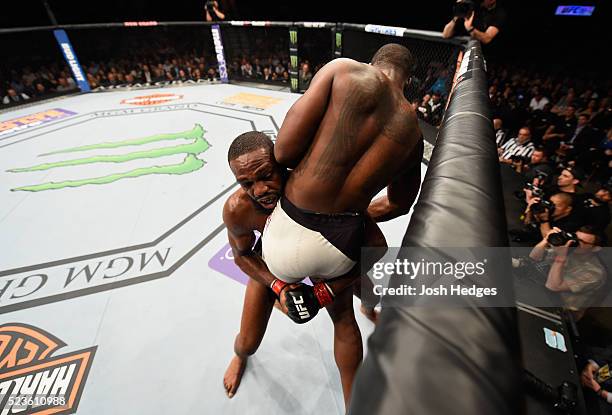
column 538, row 101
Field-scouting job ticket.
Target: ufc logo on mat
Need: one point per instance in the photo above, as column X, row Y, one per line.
column 302, row 311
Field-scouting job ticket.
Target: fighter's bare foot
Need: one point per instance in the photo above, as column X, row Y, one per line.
column 233, row 375
column 370, row 313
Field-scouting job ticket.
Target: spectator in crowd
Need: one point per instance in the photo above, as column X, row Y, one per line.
column 589, row 110
column 567, row 100
column 576, row 275
column 602, row 117
column 483, row 24
column 583, row 135
column 40, row 90
column 13, row 97
column 520, row 146
column 560, row 132
column 540, row 120
column 305, row 76
column 440, row 85
column 267, row 75
column 62, row 85
column 583, row 146
column 437, row 108
column 539, row 101
column 246, row 69
column 279, row 68
column 146, row 75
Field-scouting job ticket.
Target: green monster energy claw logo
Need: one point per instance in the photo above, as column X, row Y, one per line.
column 294, row 83
column 294, row 62
column 191, row 163
column 338, row 40
column 293, row 37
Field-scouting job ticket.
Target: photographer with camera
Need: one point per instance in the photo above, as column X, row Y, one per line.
column 556, row 211
column 480, row 19
column 575, row 274
column 213, row 14
column 567, row 182
column 538, row 168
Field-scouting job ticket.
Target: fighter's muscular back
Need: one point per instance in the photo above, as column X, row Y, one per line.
column 348, row 137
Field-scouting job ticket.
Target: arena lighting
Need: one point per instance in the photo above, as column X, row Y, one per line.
column 145, row 23
column 574, row 10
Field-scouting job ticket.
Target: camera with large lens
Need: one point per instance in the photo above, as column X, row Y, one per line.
column 210, row 4
column 561, row 238
column 535, row 190
column 464, row 8
column 543, row 206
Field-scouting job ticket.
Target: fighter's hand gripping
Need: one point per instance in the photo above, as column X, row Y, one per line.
column 303, row 301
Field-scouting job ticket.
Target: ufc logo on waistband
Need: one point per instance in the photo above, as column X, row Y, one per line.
column 302, row 311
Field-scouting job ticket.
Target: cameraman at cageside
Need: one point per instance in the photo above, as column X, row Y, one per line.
column 480, row 19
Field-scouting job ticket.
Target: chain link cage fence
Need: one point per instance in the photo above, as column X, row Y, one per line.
column 259, row 54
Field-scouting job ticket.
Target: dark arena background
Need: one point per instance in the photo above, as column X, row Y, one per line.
column 120, row 292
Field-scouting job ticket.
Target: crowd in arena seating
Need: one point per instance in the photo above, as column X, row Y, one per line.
column 555, row 131
column 56, row 78
column 567, row 119
column 53, row 78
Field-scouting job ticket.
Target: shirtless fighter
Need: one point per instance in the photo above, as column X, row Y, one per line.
column 261, row 179
column 350, row 135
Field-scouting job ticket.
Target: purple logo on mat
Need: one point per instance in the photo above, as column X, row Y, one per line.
column 33, row 120
column 223, row 261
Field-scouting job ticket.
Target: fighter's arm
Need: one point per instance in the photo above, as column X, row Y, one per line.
column 303, row 118
column 401, row 192
column 241, row 239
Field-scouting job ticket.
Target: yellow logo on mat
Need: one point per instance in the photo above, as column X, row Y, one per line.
column 252, row 100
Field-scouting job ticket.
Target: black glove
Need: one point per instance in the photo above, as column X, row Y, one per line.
column 303, row 302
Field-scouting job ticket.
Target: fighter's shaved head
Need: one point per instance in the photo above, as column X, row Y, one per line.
column 394, row 55
column 247, row 142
